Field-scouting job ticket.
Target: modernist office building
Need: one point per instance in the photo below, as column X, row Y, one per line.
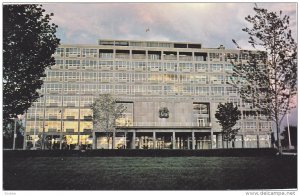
column 171, row 91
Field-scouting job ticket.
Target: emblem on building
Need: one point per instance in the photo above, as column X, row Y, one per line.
column 164, row 112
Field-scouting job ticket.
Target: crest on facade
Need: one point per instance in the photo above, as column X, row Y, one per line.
column 164, row 112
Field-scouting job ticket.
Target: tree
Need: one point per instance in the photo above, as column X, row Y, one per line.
column 29, row 41
column 106, row 111
column 228, row 115
column 268, row 79
column 293, row 136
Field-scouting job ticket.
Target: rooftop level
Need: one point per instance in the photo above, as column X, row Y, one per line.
column 161, row 44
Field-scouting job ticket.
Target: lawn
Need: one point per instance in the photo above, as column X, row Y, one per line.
column 149, row 173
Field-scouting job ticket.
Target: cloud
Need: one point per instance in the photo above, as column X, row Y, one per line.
column 211, row 24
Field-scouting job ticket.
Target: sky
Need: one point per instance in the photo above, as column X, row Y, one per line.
column 210, row 24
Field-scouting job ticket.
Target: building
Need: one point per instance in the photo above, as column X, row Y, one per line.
column 171, row 91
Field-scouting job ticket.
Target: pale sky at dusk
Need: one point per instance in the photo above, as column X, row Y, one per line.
column 211, row 24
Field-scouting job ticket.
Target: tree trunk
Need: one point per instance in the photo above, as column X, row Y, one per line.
column 278, row 137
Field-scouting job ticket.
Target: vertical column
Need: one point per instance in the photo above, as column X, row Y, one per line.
column 188, row 142
column 15, row 134
column 133, row 140
column 193, row 140
column 94, row 140
column 154, row 140
column 243, row 141
column 113, row 139
column 211, row 138
column 25, row 136
column 217, row 141
column 173, row 140
column 257, row 140
column 178, row 143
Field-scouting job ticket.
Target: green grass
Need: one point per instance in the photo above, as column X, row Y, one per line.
column 149, row 173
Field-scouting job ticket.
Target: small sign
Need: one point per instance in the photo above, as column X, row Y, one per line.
column 164, row 112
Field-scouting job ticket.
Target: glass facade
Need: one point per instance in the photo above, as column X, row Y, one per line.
column 135, row 71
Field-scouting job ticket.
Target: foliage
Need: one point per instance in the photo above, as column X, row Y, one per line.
column 228, row 115
column 8, row 132
column 106, row 111
column 293, row 136
column 29, row 41
column 268, row 80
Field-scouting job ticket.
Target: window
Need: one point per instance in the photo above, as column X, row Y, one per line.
column 170, row 66
column 53, row 100
column 122, row 65
column 71, row 101
column 122, row 77
column 249, row 125
column 72, row 52
column 199, row 79
column 228, row 67
column 105, row 77
column 154, row 77
column 184, row 78
column 201, row 114
column 59, row 63
column 200, row 67
column 187, row 90
column 89, row 88
column 154, row 66
column 231, row 91
column 154, row 90
column 139, row 89
column 106, row 54
column 139, row 66
column 72, row 76
column 185, row 67
column 72, row 64
column 215, row 57
column 106, row 88
column 216, row 67
column 200, row 90
column 122, row 89
column 139, row 77
column 54, row 75
column 89, row 76
column 217, row 90
column 217, row 79
column 86, row 52
column 53, row 88
column 71, row 88
column 170, row 78
column 59, row 52
column 89, row 64
column 106, row 65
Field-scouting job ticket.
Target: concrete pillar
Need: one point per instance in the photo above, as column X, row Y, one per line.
column 133, row 140
column 257, row 141
column 113, row 139
column 217, row 141
column 188, row 142
column 94, row 140
column 154, row 140
column 211, row 139
column 243, row 141
column 193, row 140
column 173, row 141
column 178, row 143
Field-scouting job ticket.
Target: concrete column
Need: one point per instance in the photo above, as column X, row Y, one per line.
column 211, row 139
column 154, row 140
column 193, row 140
column 133, row 140
column 173, row 140
column 188, row 142
column 217, row 141
column 257, row 141
column 243, row 141
column 178, row 143
column 94, row 140
column 113, row 139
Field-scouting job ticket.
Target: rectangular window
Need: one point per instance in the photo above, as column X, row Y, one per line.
column 139, row 77
column 106, row 88
column 72, row 64
column 216, row 56
column 216, row 67
column 89, row 64
column 217, row 90
column 54, row 75
column 122, row 65
column 217, row 79
column 53, row 87
column 105, row 77
column 199, row 79
column 170, row 66
column 89, row 76
column 122, row 77
column 122, row 89
column 87, row 52
column 59, row 52
column 185, row 67
column 72, row 52
column 201, row 67
column 139, row 66
column 72, row 76
column 154, row 66
column 200, row 90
